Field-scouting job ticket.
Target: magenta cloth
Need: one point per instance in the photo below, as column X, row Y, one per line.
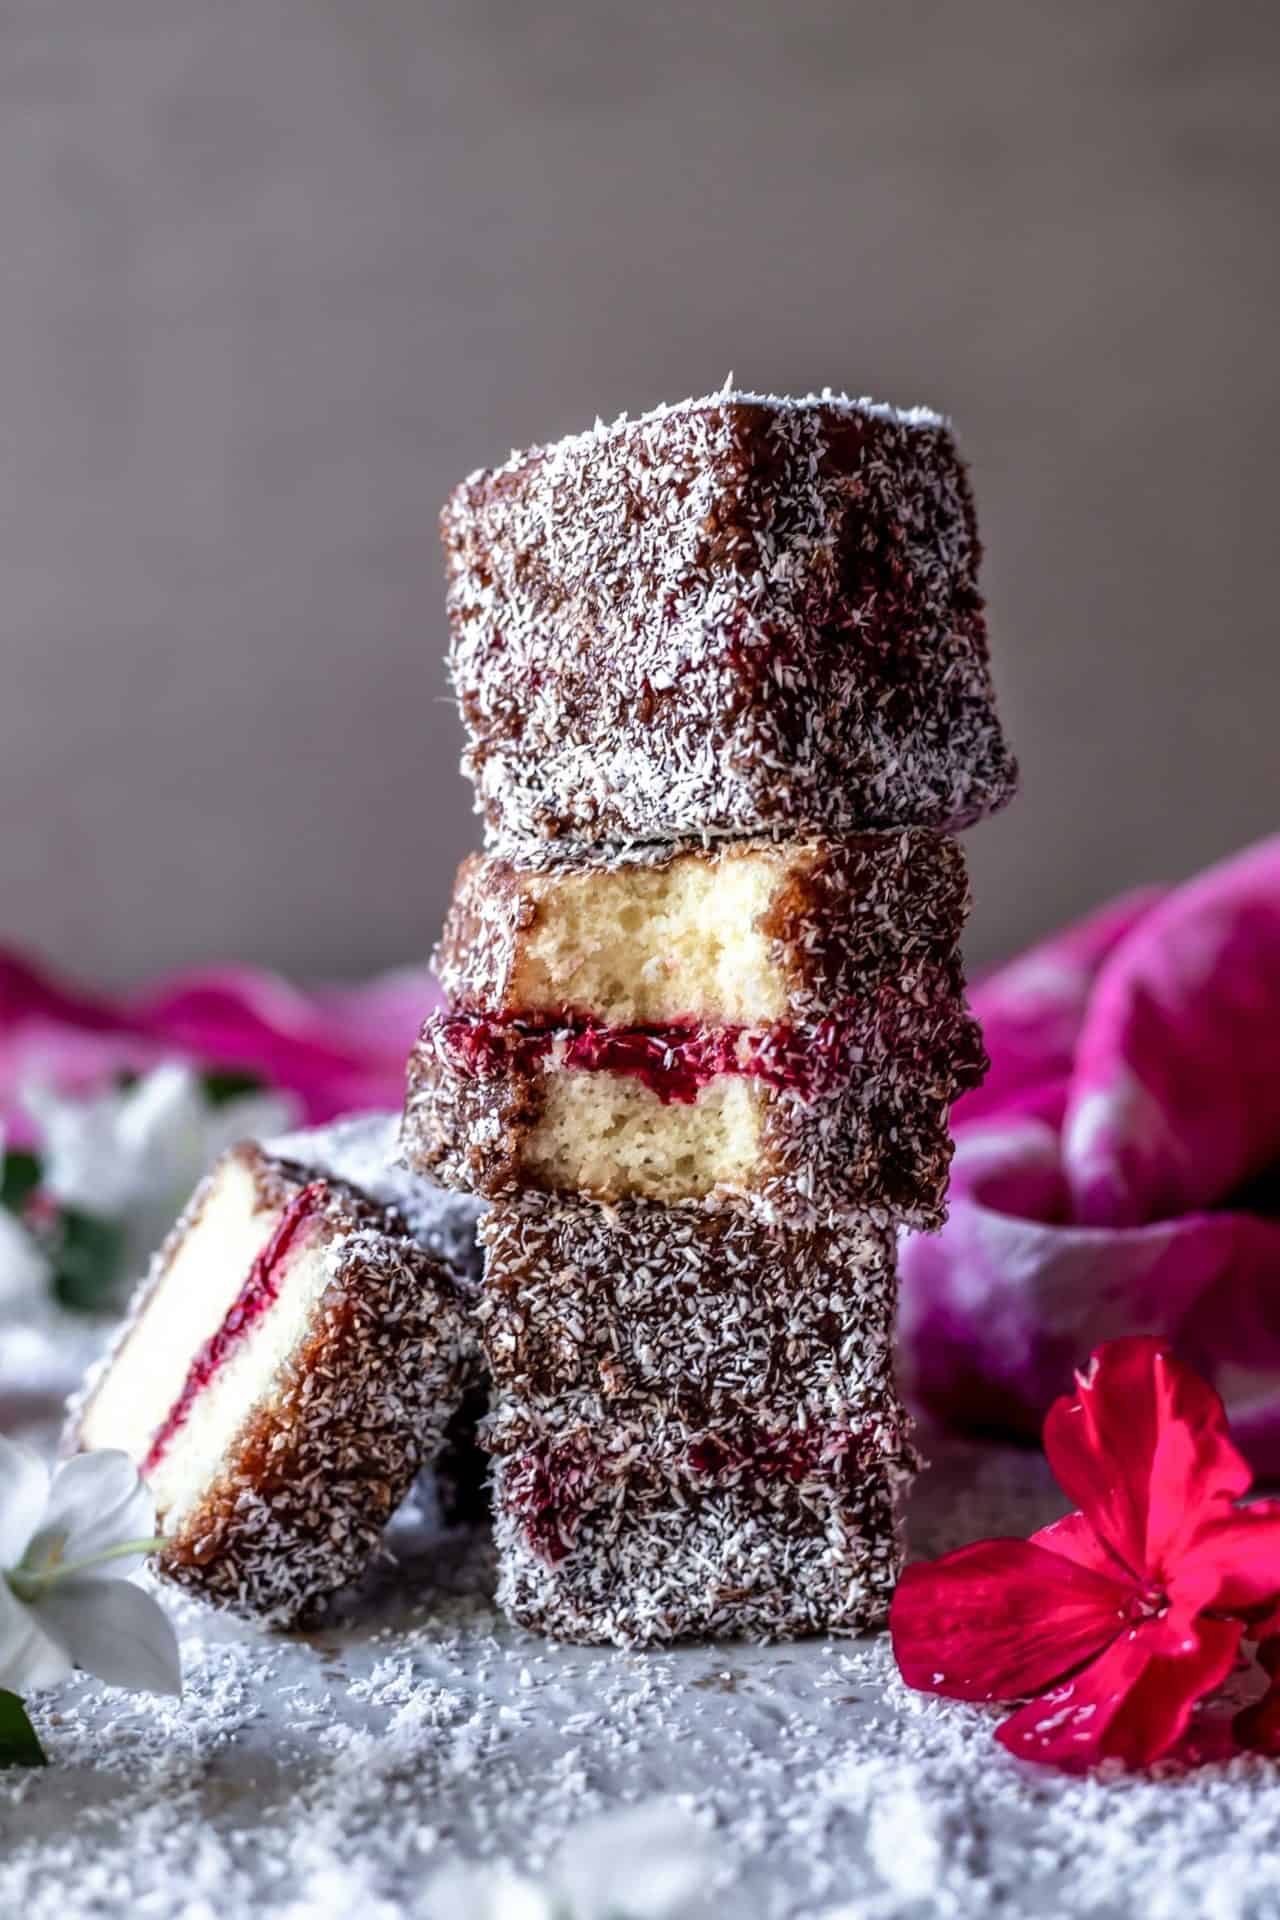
column 336, row 1048
column 1119, row 1171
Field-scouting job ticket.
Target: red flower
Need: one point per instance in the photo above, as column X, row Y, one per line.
column 1113, row 1622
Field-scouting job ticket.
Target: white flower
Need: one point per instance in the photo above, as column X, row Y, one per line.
column 24, row 1270
column 133, row 1154
column 646, row 1863
column 68, row 1549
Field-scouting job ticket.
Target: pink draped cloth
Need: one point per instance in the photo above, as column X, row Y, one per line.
column 1119, row 1171
column 338, row 1049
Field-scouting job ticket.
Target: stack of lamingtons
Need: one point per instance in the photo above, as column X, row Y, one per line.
column 724, row 675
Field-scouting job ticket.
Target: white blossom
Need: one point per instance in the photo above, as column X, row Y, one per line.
column 24, row 1269
column 69, row 1546
column 133, row 1154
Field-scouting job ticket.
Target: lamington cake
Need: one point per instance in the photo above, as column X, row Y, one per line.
column 296, row 1354
column 675, row 1310
column 736, row 615
column 798, row 1121
column 773, row 1541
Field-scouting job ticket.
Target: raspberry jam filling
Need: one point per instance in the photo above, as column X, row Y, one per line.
column 674, row 1061
column 256, row 1297
column 550, row 1485
column 755, row 1452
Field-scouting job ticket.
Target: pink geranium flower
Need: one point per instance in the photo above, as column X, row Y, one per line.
column 1111, row 1624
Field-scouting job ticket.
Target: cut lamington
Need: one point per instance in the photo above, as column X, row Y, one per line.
column 772, row 1543
column 684, row 1311
column 741, row 933
column 736, row 615
column 796, row 1120
column 296, row 1354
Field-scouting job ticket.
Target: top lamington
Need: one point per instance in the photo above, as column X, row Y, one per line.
column 736, row 615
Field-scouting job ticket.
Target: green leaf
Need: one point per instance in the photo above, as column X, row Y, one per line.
column 19, row 1178
column 88, row 1261
column 228, row 1084
column 18, row 1744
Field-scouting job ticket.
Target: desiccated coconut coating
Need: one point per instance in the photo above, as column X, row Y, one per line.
column 853, row 1112
column 736, row 615
column 362, row 1150
column 835, row 916
column 332, row 1443
column 583, row 1439
column 683, row 1310
column 731, row 1551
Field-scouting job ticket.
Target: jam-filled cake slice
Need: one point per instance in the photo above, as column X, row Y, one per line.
column 780, row 1023
column 741, row 613
column 850, row 1114
column 294, row 1357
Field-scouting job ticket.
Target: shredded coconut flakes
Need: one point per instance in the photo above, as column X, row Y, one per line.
column 355, row 1769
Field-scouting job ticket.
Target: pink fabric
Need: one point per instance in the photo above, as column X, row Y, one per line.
column 1119, row 1172
column 337, row 1048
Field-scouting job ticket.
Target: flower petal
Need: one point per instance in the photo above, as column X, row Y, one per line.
column 24, row 1270
column 1132, row 1703
column 114, row 1630
column 1258, row 1726
column 1000, row 1619
column 24, row 1490
column 1143, row 1451
column 28, row 1657
column 98, row 1501
column 1075, row 1539
column 998, row 1308
column 1233, row 1564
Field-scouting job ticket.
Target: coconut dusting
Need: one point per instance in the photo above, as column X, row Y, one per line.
column 732, row 616
column 423, row 1746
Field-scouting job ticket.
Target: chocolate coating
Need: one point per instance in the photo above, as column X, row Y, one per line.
column 685, row 1311
column 648, row 1557
column 736, row 615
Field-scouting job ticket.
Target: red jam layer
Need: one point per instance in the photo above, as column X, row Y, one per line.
column 549, row 1486
column 256, row 1297
column 757, row 1453
column 675, row 1062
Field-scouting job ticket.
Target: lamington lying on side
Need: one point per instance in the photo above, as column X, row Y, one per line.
column 739, row 614
column 294, row 1357
column 782, row 1023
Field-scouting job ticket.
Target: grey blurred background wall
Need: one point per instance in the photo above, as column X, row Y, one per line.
column 275, row 274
